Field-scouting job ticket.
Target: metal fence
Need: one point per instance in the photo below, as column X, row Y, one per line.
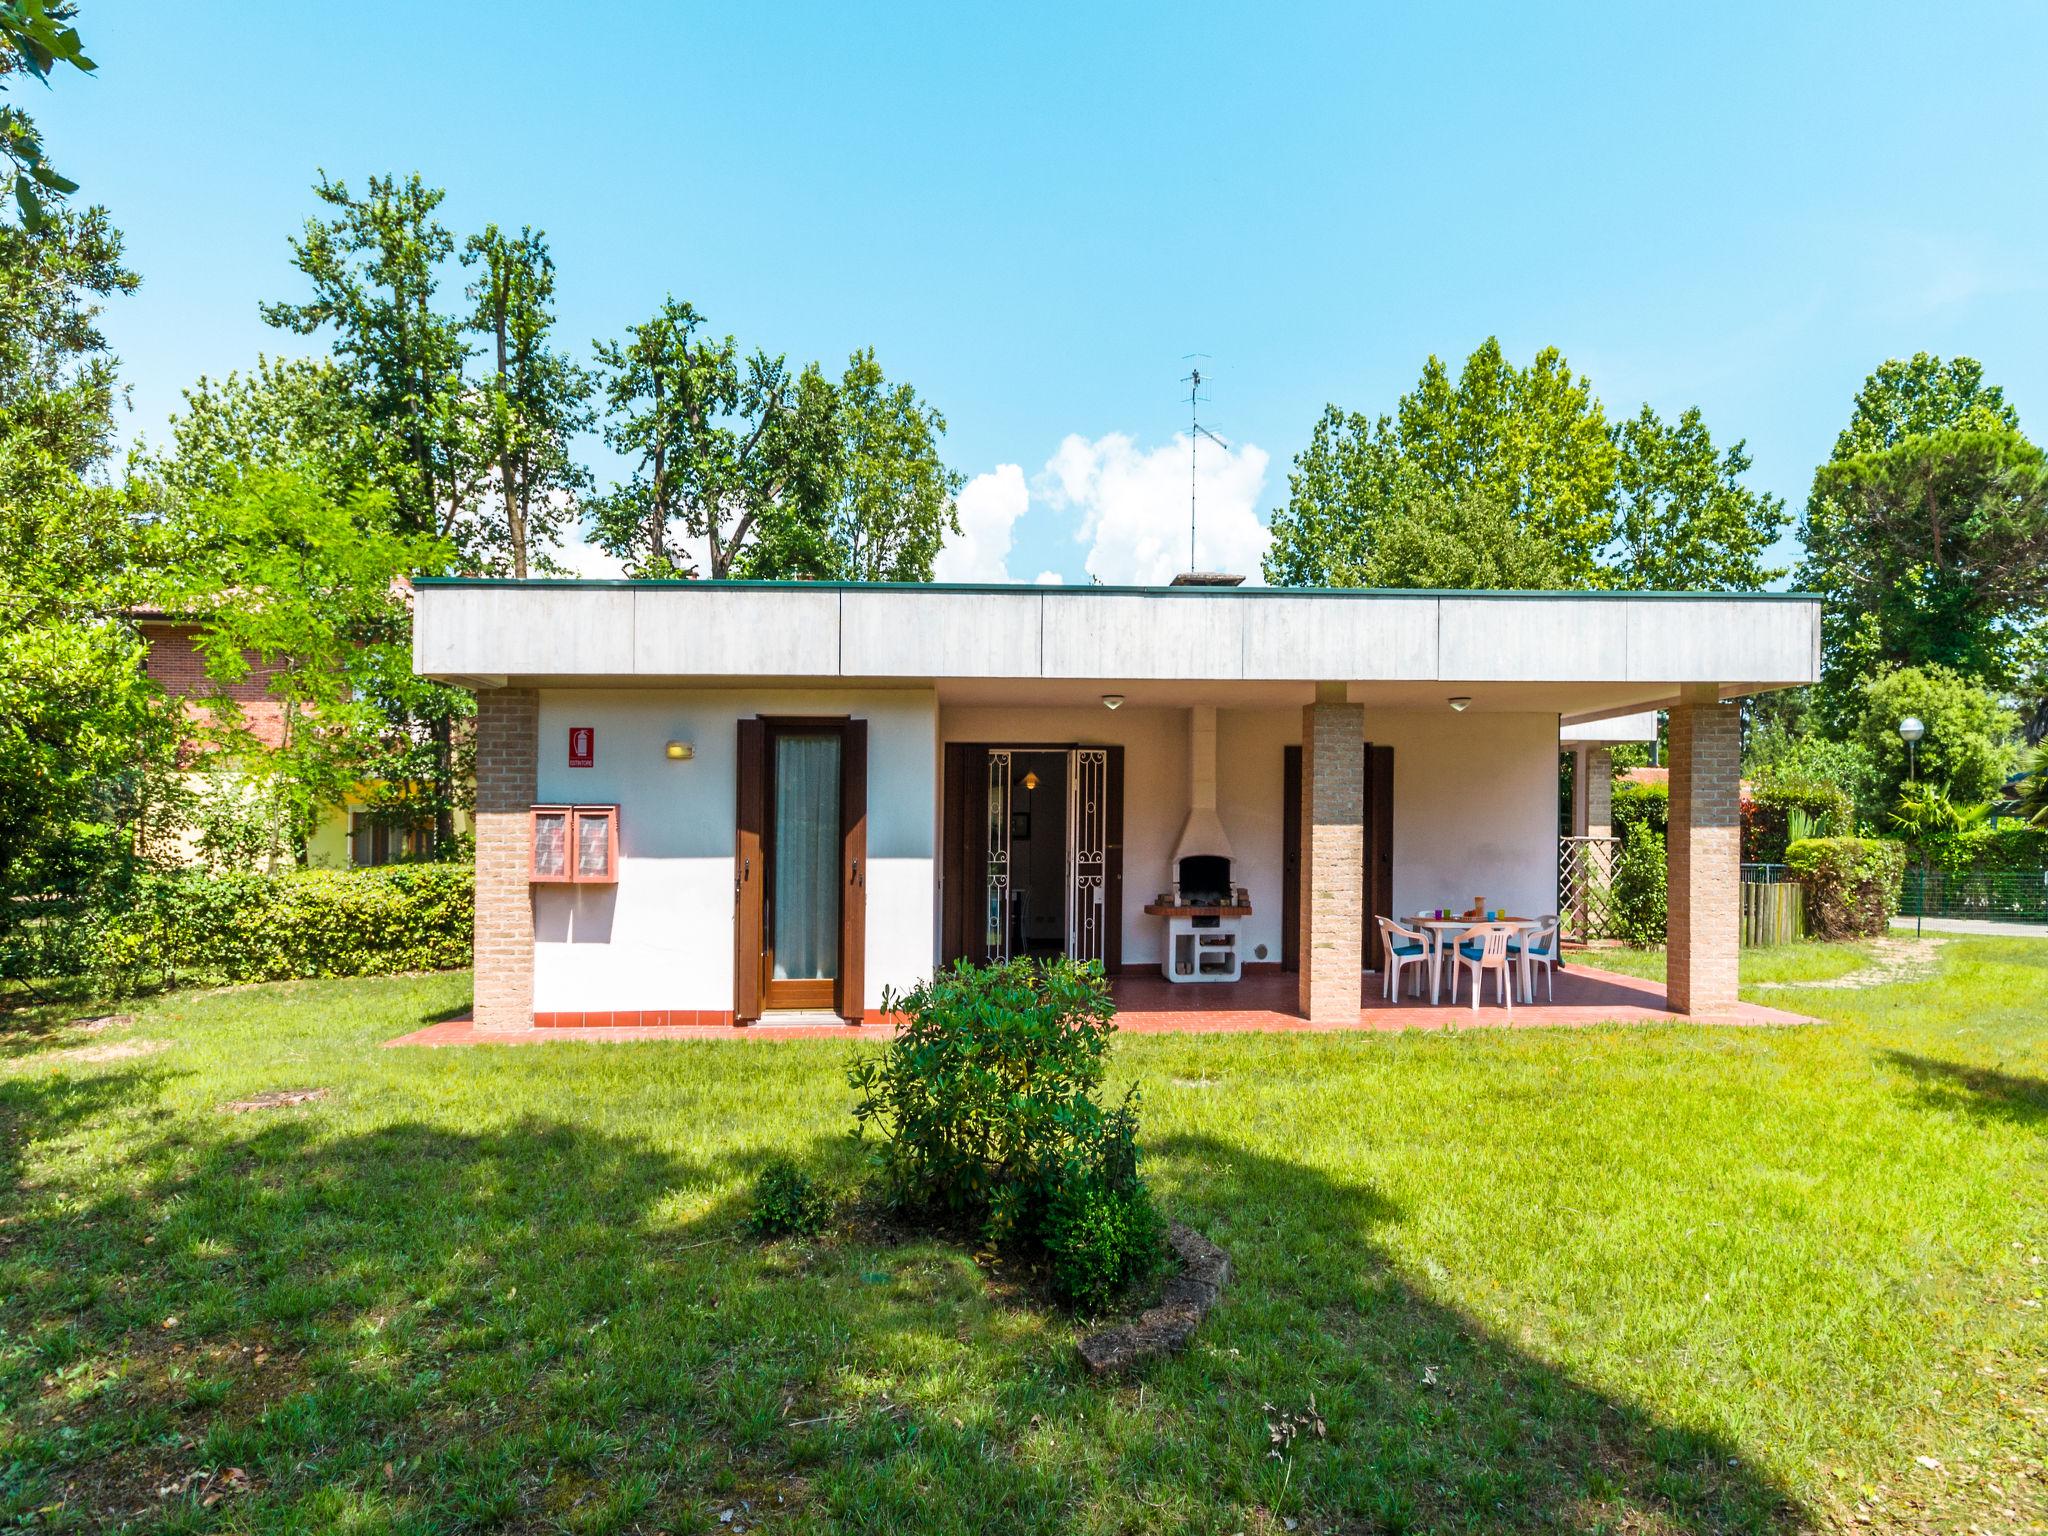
column 2012, row 896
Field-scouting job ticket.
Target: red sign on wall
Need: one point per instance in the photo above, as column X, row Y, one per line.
column 582, row 746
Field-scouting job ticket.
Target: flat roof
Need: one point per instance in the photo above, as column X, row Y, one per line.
column 1583, row 654
column 1011, row 588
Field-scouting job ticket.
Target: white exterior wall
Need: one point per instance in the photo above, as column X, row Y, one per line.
column 662, row 937
column 1475, row 809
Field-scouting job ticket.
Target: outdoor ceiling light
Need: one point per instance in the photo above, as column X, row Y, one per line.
column 1031, row 781
column 679, row 751
column 1910, row 728
column 1461, row 703
column 1112, row 701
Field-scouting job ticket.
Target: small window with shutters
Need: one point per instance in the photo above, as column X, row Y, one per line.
column 575, row 843
column 551, row 844
column 597, row 844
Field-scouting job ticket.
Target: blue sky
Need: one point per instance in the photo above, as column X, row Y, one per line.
column 1035, row 213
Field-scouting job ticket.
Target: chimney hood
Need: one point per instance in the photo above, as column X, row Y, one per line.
column 1203, row 832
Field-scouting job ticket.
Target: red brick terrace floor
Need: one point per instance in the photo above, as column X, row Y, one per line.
column 1262, row 1004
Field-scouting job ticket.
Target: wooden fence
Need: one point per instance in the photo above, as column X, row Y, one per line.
column 1772, row 913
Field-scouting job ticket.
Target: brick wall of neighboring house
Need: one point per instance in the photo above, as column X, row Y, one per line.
column 175, row 664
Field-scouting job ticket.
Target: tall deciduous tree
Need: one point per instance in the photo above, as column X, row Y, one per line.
column 375, row 268
column 1683, row 520
column 717, row 440
column 535, row 400
column 878, row 504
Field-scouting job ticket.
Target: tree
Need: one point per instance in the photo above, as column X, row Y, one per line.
column 374, row 267
column 298, row 412
column 1529, row 455
column 1901, row 400
column 880, row 503
column 57, row 376
column 278, row 569
column 87, row 742
column 1967, row 748
column 1535, row 438
column 535, row 400
column 1684, row 521
column 1936, row 549
column 718, row 442
column 1464, row 543
column 34, row 40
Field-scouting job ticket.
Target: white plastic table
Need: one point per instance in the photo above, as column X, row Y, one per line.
column 1444, row 931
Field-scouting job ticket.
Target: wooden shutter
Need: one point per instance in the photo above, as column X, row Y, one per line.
column 955, row 892
column 1113, row 869
column 1290, row 857
column 853, row 872
column 748, row 875
column 1379, row 845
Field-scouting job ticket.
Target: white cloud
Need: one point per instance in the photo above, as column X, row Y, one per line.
column 1050, row 579
column 990, row 505
column 1133, row 505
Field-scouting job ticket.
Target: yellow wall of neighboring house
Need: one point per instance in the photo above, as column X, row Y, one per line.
column 327, row 848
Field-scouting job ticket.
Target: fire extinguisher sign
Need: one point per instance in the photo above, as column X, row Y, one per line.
column 582, row 746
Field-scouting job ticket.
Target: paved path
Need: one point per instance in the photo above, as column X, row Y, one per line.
column 1976, row 925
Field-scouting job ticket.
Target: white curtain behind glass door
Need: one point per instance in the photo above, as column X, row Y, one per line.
column 806, row 919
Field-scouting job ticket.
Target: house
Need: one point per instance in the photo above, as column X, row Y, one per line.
column 347, row 834
column 715, row 802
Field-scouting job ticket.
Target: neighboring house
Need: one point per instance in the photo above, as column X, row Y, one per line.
column 719, row 801
column 346, row 834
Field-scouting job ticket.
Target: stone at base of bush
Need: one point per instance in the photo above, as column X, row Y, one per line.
column 1166, row 1328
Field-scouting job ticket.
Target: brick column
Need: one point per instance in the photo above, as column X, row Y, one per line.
column 1332, row 859
column 1597, row 764
column 507, row 779
column 1703, row 856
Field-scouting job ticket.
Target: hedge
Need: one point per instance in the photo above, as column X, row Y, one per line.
column 1767, row 816
column 2012, row 849
column 1852, row 884
column 1640, row 805
column 195, row 926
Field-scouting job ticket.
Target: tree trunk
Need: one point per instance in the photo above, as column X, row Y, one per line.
column 444, row 786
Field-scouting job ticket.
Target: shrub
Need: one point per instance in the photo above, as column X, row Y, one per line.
column 1641, row 890
column 1852, row 883
column 1767, row 826
column 1992, row 850
column 248, row 926
column 1968, row 730
column 787, row 1202
column 984, row 1107
column 1640, row 805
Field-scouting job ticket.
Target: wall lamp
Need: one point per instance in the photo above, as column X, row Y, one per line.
column 679, row 751
column 1112, row 701
column 1461, row 703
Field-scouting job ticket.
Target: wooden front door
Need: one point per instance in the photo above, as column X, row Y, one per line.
column 800, row 876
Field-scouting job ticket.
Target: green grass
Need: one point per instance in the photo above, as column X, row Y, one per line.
column 1645, row 1279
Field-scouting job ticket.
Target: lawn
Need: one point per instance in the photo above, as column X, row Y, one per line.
column 1644, row 1279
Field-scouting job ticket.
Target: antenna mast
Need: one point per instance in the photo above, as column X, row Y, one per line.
column 1196, row 432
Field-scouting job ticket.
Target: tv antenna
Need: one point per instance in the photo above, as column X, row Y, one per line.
column 1196, row 432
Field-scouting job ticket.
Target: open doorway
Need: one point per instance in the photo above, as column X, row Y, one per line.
column 1033, row 853
column 1039, row 889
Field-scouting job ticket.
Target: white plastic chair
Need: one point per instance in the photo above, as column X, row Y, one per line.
column 1402, row 946
column 1481, row 948
column 1541, row 943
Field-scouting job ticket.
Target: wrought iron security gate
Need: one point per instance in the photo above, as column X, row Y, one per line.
column 1087, row 850
column 996, row 895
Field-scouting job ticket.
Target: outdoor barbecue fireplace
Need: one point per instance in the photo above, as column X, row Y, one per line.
column 1204, row 910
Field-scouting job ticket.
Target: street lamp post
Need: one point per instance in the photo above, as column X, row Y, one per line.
column 1911, row 729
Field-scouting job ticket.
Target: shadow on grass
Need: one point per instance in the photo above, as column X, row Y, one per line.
column 1982, row 1092
column 1436, row 1421
column 538, row 1324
